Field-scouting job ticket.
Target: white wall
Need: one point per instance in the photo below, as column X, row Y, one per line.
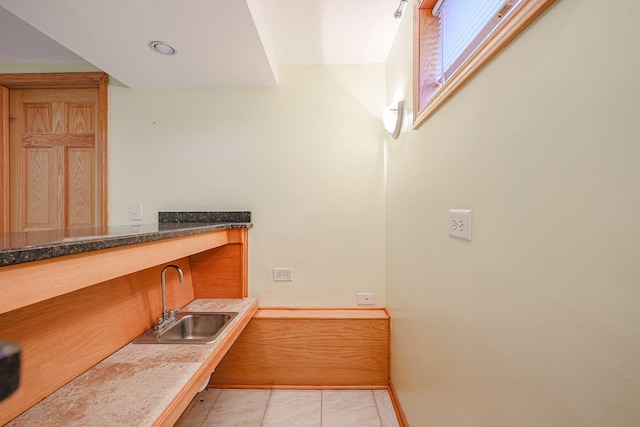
column 306, row 158
column 536, row 322
column 48, row 67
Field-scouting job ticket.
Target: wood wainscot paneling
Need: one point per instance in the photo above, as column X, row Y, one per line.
column 309, row 348
column 222, row 272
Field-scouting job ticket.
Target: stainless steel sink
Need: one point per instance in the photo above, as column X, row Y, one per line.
column 189, row 328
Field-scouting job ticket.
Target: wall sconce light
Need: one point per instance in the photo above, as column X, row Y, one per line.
column 392, row 118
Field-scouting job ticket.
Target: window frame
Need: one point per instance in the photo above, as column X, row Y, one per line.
column 523, row 14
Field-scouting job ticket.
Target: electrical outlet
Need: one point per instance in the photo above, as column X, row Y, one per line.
column 136, row 211
column 283, row 274
column 366, row 298
column 460, row 224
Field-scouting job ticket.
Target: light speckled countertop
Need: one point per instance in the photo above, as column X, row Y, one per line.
column 135, row 385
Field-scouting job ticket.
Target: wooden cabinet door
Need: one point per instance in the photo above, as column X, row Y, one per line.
column 54, row 163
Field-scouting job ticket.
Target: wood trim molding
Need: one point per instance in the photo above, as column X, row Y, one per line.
column 52, row 80
column 103, row 134
column 301, row 387
column 416, row 62
column 402, row 418
column 322, row 313
column 523, row 14
column 426, row 4
column 97, row 80
column 4, row 159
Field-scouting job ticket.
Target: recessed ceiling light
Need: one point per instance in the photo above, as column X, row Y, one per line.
column 163, row 48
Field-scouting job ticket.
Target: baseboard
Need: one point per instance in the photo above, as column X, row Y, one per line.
column 402, row 418
column 296, row 387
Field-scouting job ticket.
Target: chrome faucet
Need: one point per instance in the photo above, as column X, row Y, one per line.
column 167, row 315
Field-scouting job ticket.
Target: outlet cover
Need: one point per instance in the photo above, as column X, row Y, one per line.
column 366, row 298
column 283, row 274
column 460, row 224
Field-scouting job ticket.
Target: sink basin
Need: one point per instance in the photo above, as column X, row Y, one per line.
column 189, row 328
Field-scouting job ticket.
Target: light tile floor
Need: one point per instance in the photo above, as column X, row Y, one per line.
column 290, row 408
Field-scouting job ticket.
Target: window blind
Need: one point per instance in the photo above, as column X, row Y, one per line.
column 460, row 23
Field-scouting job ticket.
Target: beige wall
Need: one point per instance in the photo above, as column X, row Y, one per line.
column 536, row 322
column 305, row 157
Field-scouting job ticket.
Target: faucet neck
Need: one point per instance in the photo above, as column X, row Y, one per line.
column 166, row 314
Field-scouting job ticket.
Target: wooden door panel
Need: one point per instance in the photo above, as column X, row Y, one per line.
column 52, row 140
column 81, row 186
column 58, row 190
column 37, row 119
column 80, row 119
column 38, row 194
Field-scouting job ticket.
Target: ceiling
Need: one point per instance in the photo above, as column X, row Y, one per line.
column 218, row 43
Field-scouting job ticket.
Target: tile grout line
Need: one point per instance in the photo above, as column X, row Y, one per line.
column 264, row 414
column 321, row 402
column 375, row 401
column 380, row 406
column 210, row 408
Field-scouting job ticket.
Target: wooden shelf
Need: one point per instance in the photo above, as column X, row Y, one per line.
column 126, row 389
column 33, row 282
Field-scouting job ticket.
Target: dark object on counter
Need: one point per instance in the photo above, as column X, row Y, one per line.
column 9, row 368
column 204, row 217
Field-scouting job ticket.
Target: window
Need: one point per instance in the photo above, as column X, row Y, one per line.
column 455, row 38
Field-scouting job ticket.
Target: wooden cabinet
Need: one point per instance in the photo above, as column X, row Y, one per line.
column 310, row 348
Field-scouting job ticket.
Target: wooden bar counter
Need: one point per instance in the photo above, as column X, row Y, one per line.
column 76, row 300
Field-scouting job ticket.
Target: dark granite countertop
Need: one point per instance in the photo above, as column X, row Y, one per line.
column 17, row 248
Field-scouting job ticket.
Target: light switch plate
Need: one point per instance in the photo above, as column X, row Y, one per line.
column 460, row 224
column 136, row 211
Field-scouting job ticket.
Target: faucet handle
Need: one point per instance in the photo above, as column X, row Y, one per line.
column 172, row 313
column 159, row 322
